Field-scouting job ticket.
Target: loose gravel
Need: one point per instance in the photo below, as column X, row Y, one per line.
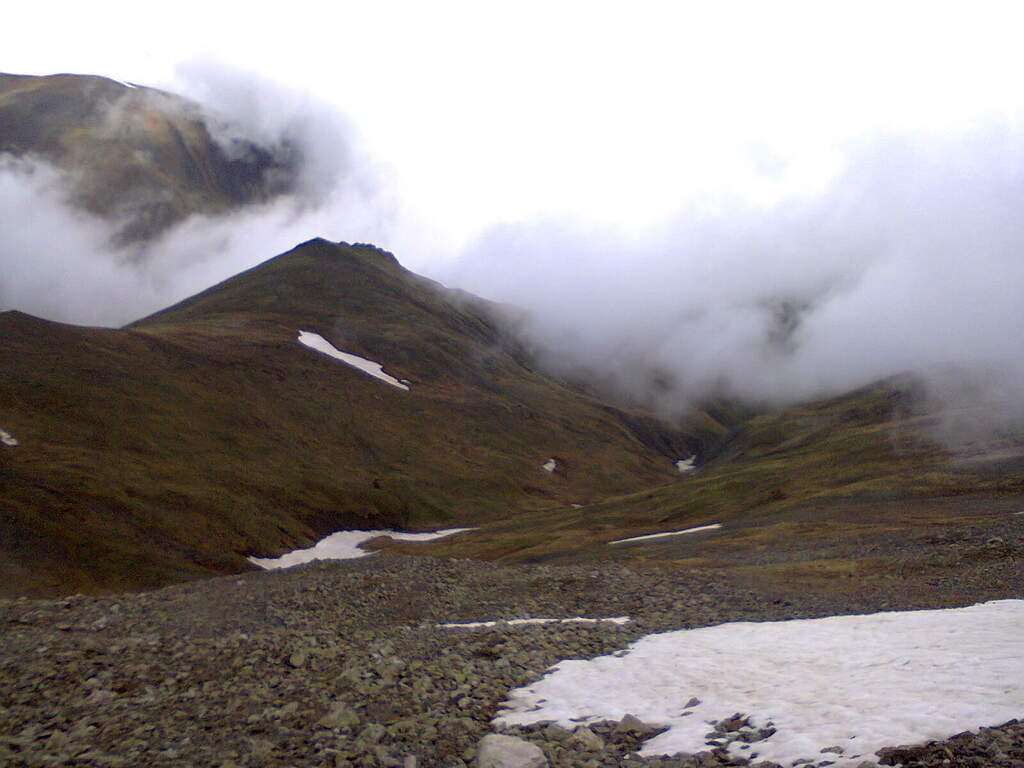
column 343, row 664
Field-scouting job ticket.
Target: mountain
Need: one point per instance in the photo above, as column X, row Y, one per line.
column 140, row 157
column 174, row 447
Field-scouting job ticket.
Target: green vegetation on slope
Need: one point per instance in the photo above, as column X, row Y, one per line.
column 174, row 447
column 785, row 484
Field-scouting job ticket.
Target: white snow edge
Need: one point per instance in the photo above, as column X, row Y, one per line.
column 858, row 683
column 344, row 545
column 318, row 343
column 7, row 438
column 516, row 622
column 711, row 527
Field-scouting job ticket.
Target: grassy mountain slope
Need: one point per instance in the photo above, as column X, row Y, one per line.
column 141, row 157
column 172, row 448
column 839, row 494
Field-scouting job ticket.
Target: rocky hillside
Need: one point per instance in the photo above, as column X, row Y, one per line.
column 140, row 157
column 343, row 664
column 175, row 447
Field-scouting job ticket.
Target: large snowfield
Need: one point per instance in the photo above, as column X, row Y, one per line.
column 857, row 683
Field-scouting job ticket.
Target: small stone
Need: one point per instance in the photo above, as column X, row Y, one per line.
column 298, row 659
column 733, row 723
column 372, row 733
column 632, row 724
column 555, row 732
column 57, row 742
column 836, row 749
column 587, row 739
column 693, row 702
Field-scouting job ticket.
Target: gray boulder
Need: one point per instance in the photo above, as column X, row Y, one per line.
column 498, row 751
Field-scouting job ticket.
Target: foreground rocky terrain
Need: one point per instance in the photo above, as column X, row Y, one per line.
column 343, row 663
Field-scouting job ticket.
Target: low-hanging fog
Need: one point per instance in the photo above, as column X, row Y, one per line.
column 912, row 258
column 909, row 257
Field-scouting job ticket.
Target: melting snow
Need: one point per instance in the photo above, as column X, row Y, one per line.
column 550, row 465
column 344, row 545
column 320, row 344
column 856, row 682
column 516, row 622
column 686, row 465
column 7, row 438
column 711, row 527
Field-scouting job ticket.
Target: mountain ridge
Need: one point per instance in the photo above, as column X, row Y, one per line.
column 207, row 432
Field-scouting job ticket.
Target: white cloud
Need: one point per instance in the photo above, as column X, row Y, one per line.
column 911, row 260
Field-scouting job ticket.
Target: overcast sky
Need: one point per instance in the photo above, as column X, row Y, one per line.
column 620, row 113
column 657, row 183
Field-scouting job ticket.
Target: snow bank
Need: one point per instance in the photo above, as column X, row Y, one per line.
column 344, row 545
column 711, row 527
column 317, row 342
column 518, row 622
column 7, row 438
column 858, row 683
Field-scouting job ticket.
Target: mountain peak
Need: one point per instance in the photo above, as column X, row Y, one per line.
column 213, row 416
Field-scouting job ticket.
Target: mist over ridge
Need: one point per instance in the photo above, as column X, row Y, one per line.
column 910, row 258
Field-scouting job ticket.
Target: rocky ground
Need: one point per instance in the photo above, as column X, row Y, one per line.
column 342, row 663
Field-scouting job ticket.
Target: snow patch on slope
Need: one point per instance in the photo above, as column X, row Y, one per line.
column 344, row 545
column 318, row 343
column 518, row 622
column 711, row 527
column 7, row 438
column 686, row 465
column 859, row 683
column 550, row 465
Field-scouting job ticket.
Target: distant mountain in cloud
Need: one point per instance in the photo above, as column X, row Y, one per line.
column 140, row 158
